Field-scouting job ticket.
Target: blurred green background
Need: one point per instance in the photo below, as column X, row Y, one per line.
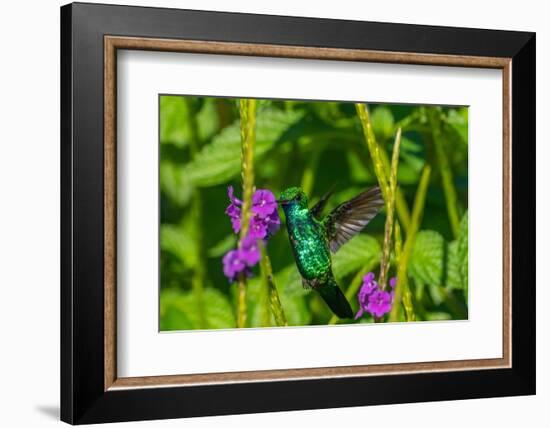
column 314, row 145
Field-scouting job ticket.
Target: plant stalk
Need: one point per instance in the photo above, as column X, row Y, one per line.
column 407, row 295
column 416, row 219
column 388, row 229
column 446, row 173
column 381, row 165
column 247, row 109
column 267, row 275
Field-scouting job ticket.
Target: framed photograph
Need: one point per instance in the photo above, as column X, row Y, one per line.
column 265, row 213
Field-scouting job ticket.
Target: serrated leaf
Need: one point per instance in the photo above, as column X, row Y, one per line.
column 361, row 251
column 463, row 252
column 220, row 161
column 457, row 259
column 218, row 311
column 180, row 310
column 426, row 263
column 454, row 279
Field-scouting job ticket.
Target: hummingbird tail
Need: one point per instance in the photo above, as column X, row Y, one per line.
column 335, row 299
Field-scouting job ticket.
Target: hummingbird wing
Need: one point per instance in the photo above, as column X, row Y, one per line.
column 349, row 218
column 317, row 209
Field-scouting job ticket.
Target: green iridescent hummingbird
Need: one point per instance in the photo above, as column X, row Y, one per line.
column 313, row 238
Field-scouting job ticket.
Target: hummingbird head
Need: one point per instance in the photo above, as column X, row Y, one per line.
column 293, row 196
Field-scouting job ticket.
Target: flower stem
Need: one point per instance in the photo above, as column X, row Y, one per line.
column 247, row 109
column 241, row 301
column 416, row 219
column 267, row 275
column 388, row 229
column 407, row 295
column 381, row 165
column 445, row 171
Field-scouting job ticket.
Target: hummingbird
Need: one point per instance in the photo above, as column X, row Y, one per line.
column 313, row 238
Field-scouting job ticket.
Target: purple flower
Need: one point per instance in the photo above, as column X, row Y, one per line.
column 373, row 300
column 233, row 264
column 233, row 210
column 264, row 222
column 380, row 303
column 249, row 251
column 232, row 198
column 368, row 287
column 257, row 228
column 273, row 223
column 236, row 224
column 263, row 203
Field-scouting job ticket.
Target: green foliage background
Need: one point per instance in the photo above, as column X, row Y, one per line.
column 314, row 145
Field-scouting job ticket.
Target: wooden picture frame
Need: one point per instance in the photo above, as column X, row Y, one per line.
column 91, row 391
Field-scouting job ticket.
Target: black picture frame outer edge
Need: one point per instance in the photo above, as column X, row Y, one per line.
column 66, row 97
column 523, row 219
column 82, row 397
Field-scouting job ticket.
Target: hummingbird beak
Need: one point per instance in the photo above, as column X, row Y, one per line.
column 282, row 201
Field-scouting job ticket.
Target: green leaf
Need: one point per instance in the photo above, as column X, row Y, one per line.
column 458, row 121
column 437, row 293
column 223, row 246
column 207, row 119
column 175, row 183
column 457, row 259
column 179, row 310
column 382, row 122
column 438, row 316
column 411, row 154
column 463, row 252
column 218, row 311
column 220, row 160
column 361, row 251
column 256, row 300
column 292, row 295
column 426, row 263
column 454, row 279
column 174, row 121
column 176, row 114
column 358, row 172
column 178, row 241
